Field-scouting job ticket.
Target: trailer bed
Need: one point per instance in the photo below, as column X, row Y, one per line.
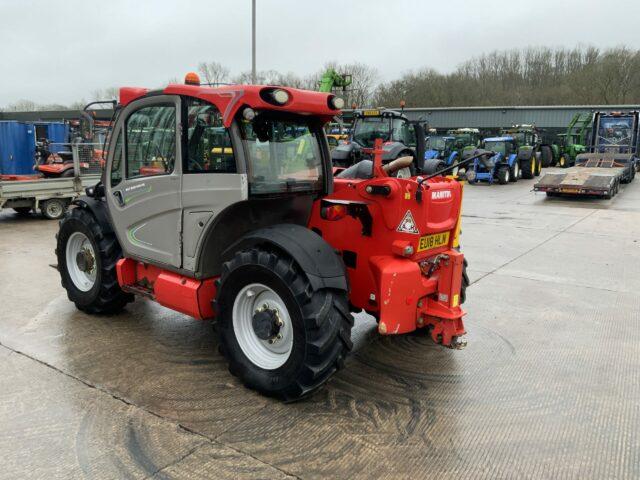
column 23, row 193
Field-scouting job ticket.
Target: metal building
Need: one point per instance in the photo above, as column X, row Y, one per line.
column 545, row 117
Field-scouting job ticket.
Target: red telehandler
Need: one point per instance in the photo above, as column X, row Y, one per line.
column 240, row 219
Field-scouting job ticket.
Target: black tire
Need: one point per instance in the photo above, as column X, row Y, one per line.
column 563, row 162
column 54, row 208
column 546, row 155
column 465, row 283
column 538, row 166
column 503, row 175
column 514, row 172
column 106, row 296
column 67, row 173
column 22, row 211
column 529, row 167
column 320, row 319
column 432, row 166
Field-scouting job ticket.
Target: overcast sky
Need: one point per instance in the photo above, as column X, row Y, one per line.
column 59, row 51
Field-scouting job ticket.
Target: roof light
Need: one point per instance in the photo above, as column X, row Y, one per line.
column 192, row 78
column 280, row 96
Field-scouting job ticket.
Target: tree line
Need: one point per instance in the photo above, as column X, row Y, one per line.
column 529, row 76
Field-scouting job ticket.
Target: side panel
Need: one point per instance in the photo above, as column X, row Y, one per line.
column 204, row 197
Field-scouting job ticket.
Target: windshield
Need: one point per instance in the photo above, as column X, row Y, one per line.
column 284, row 155
column 368, row 129
column 496, row 146
column 438, row 143
column 615, row 131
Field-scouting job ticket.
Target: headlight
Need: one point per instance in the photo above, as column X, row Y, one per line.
column 280, row 96
column 336, row 103
column 248, row 114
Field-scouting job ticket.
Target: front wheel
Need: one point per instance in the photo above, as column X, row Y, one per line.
column 538, row 167
column 87, row 257
column 563, row 162
column 504, row 175
column 280, row 336
column 515, row 172
column 529, row 168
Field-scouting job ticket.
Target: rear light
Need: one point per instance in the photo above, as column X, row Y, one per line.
column 333, row 212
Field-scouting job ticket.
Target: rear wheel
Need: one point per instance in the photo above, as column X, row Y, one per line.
column 54, row 208
column 546, row 156
column 87, row 259
column 465, row 283
column 67, row 173
column 22, row 210
column 280, row 336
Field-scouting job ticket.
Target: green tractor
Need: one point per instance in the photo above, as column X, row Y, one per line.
column 574, row 141
column 531, row 146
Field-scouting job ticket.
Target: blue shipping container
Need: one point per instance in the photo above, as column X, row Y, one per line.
column 56, row 132
column 17, row 148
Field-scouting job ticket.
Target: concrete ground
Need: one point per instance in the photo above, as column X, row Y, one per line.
column 547, row 388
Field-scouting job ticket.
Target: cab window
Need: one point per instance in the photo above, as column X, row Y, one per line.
column 151, row 141
column 116, row 163
column 209, row 148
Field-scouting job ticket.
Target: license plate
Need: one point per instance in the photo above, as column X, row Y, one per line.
column 433, row 241
column 371, row 113
column 570, row 190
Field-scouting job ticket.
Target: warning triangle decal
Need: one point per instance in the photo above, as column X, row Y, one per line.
column 408, row 224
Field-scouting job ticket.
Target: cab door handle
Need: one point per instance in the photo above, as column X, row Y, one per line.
column 118, row 196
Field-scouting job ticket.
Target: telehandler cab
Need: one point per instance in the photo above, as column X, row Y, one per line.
column 220, row 203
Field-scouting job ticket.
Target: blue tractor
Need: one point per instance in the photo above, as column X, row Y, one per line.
column 502, row 167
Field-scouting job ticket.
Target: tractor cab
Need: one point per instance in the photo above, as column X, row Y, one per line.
column 400, row 137
column 440, row 147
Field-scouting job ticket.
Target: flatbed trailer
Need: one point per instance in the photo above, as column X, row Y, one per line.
column 590, row 177
column 49, row 195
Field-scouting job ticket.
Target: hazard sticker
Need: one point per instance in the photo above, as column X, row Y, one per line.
column 408, row 224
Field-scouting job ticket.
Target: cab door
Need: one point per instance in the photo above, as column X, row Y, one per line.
column 143, row 190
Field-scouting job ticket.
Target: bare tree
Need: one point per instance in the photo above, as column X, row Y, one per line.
column 213, row 72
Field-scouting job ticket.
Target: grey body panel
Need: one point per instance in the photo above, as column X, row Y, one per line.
column 204, row 197
column 149, row 222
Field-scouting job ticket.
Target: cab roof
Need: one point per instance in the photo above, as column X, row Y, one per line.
column 499, row 139
column 231, row 98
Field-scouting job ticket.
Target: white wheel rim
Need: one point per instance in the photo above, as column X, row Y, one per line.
column 265, row 354
column 79, row 244
column 516, row 170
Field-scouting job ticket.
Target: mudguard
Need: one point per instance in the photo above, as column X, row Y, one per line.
column 342, row 153
column 317, row 259
column 98, row 208
column 512, row 159
column 452, row 158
